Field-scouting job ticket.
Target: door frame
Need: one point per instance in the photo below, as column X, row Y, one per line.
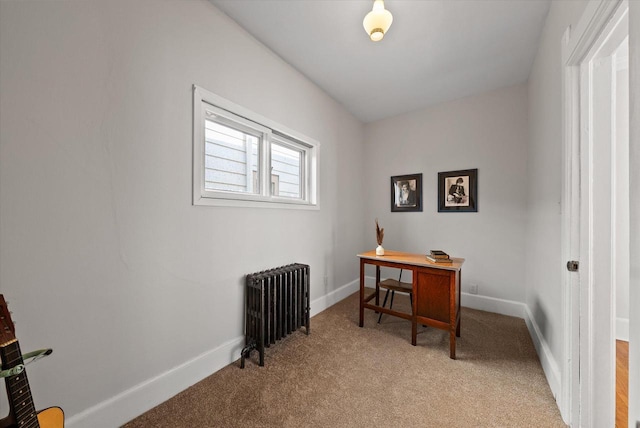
column 577, row 393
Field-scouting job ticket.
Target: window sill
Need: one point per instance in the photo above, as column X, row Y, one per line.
column 244, row 203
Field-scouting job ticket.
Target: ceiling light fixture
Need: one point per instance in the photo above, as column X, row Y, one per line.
column 378, row 21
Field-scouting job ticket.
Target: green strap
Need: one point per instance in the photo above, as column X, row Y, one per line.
column 34, row 355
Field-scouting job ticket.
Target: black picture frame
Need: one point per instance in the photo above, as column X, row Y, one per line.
column 406, row 193
column 458, row 191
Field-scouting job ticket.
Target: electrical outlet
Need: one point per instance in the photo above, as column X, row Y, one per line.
column 473, row 288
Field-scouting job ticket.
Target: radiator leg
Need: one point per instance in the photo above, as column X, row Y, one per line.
column 307, row 295
column 308, row 318
column 246, row 352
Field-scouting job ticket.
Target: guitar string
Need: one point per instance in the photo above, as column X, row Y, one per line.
column 24, row 412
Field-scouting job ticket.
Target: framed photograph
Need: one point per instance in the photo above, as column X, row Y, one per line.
column 406, row 193
column 458, row 191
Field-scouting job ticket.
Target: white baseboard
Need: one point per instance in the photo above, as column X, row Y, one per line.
column 548, row 362
column 133, row 402
column 622, row 329
column 492, row 304
column 320, row 304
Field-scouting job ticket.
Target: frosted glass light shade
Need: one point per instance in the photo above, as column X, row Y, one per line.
column 378, row 21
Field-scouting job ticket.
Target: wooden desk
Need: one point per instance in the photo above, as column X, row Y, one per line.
column 436, row 292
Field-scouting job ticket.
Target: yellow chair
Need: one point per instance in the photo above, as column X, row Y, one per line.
column 393, row 286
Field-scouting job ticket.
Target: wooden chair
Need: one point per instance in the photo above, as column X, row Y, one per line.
column 393, row 286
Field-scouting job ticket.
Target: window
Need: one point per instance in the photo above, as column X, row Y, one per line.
column 241, row 158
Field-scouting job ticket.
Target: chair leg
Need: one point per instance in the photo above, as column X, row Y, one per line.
column 384, row 303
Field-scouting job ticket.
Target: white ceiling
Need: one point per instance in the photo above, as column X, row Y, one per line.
column 435, row 50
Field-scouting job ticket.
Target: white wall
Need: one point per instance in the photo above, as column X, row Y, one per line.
column 102, row 255
column 487, row 132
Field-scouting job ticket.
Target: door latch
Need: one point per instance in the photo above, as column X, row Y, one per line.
column 572, row 266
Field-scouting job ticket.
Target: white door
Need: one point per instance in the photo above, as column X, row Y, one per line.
column 594, row 225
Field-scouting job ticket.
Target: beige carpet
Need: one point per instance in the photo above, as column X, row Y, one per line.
column 346, row 376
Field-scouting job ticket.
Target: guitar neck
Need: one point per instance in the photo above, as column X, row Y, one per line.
column 22, row 411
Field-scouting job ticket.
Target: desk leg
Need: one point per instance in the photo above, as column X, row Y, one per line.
column 361, row 293
column 453, row 314
column 414, row 332
column 414, row 308
column 459, row 304
column 377, row 286
column 452, row 343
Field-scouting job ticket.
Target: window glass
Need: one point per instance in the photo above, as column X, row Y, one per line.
column 231, row 159
column 286, row 171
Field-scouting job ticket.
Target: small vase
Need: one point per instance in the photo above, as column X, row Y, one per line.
column 379, row 251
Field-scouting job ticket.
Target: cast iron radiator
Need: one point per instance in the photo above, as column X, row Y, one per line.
column 277, row 304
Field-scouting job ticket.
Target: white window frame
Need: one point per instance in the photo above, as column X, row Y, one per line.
column 269, row 130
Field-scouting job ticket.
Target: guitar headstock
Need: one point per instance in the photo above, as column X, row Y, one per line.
column 7, row 329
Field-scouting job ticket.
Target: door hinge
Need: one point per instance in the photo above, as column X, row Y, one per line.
column 573, row 265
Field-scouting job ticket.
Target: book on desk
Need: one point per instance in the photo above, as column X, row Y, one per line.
column 438, row 256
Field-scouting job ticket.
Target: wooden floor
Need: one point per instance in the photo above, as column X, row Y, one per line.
column 622, row 383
